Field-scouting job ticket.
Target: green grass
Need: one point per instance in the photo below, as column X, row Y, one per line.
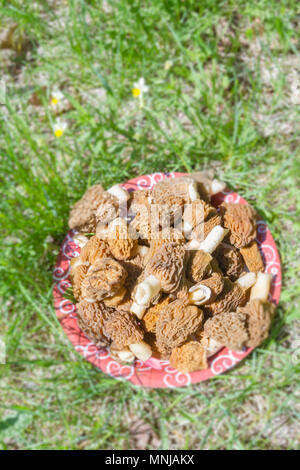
column 229, row 101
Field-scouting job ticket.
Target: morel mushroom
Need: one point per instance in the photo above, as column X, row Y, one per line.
column 78, row 273
column 232, row 296
column 195, row 214
column 165, row 236
column 91, row 319
column 252, row 257
column 259, row 316
column 124, row 331
column 215, row 283
column 184, row 188
column 198, row 266
column 107, row 210
column 82, row 215
column 177, row 321
column 240, row 219
column 230, row 261
column 201, row 230
column 94, row 249
column 121, row 241
column 162, row 273
column 167, row 266
column 228, row 328
column 189, row 357
column 152, row 314
column 103, row 279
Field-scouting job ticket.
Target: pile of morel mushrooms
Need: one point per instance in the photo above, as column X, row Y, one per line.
column 163, row 273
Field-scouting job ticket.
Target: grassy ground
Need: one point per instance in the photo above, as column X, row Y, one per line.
column 224, row 91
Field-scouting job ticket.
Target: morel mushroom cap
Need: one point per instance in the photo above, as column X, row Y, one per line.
column 142, row 224
column 152, row 314
column 232, row 296
column 165, row 236
column 77, row 276
column 201, row 230
column 176, row 322
column 183, row 188
column 123, row 329
column 198, row 266
column 116, row 299
column 82, row 215
column 107, row 210
column 167, row 265
column 259, row 316
column 121, row 241
column 230, row 260
column 94, row 249
column 91, row 318
column 195, row 213
column 228, row 328
column 141, row 197
column 252, row 257
column 104, row 279
column 189, row 357
column 240, row 219
column 216, row 283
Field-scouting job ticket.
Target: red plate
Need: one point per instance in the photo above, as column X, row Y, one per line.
column 154, row 373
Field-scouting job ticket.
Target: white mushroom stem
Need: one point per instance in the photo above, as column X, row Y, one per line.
column 142, row 250
column 217, row 186
column 210, row 243
column 120, row 193
column 193, row 245
column 141, row 350
column 145, row 292
column 192, row 189
column 80, row 240
column 247, row 280
column 261, row 288
column 125, row 355
column 199, row 294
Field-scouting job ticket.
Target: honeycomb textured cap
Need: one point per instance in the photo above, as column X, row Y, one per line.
column 167, row 265
column 216, row 283
column 77, row 277
column 152, row 314
column 94, row 249
column 176, row 322
column 201, row 230
column 107, row 210
column 189, row 357
column 163, row 237
column 91, row 318
column 228, row 328
column 122, row 243
column 123, row 329
column 82, row 215
column 198, row 266
column 259, row 317
column 252, row 257
column 104, row 278
column 230, row 260
column 231, row 297
column 240, row 219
